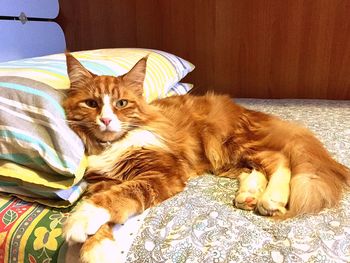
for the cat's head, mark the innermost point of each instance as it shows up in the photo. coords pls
(104, 108)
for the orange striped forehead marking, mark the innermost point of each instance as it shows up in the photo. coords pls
(106, 85)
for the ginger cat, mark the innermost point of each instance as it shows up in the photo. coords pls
(141, 154)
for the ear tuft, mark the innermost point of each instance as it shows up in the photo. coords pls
(76, 70)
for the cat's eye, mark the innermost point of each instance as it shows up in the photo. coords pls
(91, 103)
(121, 103)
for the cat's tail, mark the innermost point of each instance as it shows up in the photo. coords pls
(317, 180)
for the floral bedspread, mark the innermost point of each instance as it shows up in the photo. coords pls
(201, 224)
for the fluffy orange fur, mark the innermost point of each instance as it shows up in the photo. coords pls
(199, 134)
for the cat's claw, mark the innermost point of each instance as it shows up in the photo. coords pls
(85, 220)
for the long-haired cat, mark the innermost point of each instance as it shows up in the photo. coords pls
(141, 154)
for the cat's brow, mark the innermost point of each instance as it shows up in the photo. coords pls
(107, 85)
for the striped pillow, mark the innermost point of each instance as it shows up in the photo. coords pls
(180, 89)
(164, 70)
(34, 134)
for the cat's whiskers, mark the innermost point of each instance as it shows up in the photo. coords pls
(79, 122)
(128, 126)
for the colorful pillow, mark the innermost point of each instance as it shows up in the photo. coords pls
(37, 147)
(40, 156)
(164, 70)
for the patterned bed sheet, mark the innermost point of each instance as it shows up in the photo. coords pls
(201, 224)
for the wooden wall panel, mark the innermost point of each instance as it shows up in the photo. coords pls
(94, 24)
(247, 48)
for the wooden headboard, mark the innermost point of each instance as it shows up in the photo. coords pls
(247, 48)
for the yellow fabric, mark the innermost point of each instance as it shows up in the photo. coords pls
(25, 176)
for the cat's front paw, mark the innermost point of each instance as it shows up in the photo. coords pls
(103, 251)
(85, 220)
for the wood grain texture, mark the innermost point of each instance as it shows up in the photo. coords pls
(252, 48)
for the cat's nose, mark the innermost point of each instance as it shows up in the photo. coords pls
(106, 121)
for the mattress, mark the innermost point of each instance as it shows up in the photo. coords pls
(200, 224)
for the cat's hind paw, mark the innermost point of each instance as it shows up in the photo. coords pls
(269, 207)
(252, 185)
(246, 200)
(274, 200)
(85, 220)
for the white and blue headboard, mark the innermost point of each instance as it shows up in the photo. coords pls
(27, 29)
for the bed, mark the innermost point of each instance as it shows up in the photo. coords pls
(197, 225)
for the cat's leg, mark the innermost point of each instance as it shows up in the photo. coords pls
(79, 224)
(114, 205)
(216, 147)
(84, 220)
(276, 196)
(251, 186)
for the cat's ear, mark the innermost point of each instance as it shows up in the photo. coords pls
(136, 75)
(76, 70)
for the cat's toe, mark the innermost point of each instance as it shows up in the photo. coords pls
(85, 220)
(102, 252)
(246, 200)
(269, 207)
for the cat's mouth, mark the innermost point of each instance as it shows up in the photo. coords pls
(109, 136)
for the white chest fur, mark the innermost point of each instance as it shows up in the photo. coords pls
(105, 161)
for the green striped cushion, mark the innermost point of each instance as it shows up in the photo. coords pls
(34, 134)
